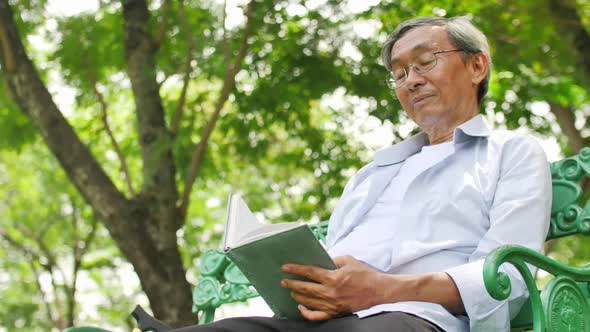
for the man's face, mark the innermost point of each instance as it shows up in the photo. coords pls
(446, 94)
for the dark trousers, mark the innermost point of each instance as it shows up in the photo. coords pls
(384, 322)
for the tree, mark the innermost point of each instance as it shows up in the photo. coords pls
(48, 241)
(144, 221)
(537, 51)
(217, 105)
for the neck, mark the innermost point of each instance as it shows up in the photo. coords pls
(442, 130)
(440, 138)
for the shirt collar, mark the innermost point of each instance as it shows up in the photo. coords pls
(474, 127)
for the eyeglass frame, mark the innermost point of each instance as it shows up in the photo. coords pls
(391, 81)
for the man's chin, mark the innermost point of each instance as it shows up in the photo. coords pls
(427, 118)
(427, 108)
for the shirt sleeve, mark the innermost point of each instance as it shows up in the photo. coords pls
(519, 214)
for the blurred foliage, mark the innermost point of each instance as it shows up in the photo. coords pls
(46, 226)
(277, 142)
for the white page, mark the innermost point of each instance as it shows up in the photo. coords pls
(240, 220)
(265, 231)
(242, 227)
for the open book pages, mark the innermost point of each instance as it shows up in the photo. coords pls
(242, 227)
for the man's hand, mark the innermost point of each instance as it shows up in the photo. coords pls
(352, 286)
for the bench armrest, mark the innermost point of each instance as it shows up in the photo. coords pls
(562, 300)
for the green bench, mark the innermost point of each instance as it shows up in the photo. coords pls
(562, 305)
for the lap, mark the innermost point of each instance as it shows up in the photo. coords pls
(390, 322)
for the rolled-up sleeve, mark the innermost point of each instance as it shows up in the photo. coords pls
(519, 214)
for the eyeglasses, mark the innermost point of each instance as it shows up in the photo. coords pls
(422, 64)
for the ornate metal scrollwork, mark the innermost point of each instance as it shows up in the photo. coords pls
(566, 309)
(213, 262)
(206, 294)
(320, 230)
(567, 216)
(233, 275)
(222, 282)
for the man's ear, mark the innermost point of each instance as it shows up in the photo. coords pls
(479, 66)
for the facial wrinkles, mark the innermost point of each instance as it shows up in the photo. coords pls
(422, 47)
(404, 52)
(437, 116)
(440, 125)
(449, 83)
(416, 87)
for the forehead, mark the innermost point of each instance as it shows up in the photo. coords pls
(420, 39)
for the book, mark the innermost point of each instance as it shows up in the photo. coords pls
(259, 250)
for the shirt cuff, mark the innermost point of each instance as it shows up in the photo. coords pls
(481, 308)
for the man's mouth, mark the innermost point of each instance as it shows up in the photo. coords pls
(420, 99)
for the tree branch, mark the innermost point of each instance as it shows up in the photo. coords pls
(243, 44)
(178, 70)
(28, 91)
(566, 119)
(570, 24)
(17, 245)
(144, 228)
(228, 84)
(164, 26)
(71, 289)
(105, 122)
(90, 237)
(157, 215)
(46, 302)
(187, 69)
(226, 50)
(78, 252)
(8, 53)
(32, 256)
(159, 184)
(52, 260)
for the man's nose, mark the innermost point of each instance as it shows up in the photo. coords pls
(414, 78)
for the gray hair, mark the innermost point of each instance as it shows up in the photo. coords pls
(462, 34)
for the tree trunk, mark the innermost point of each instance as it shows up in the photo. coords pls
(566, 119)
(172, 299)
(571, 26)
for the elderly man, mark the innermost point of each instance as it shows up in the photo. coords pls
(412, 228)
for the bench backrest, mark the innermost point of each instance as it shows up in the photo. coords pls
(569, 176)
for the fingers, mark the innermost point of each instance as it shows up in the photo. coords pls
(314, 315)
(311, 295)
(331, 307)
(312, 303)
(304, 287)
(314, 273)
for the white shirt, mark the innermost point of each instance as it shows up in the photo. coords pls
(371, 238)
(408, 213)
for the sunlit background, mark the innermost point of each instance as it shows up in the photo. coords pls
(364, 121)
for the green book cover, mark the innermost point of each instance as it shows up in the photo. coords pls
(262, 249)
